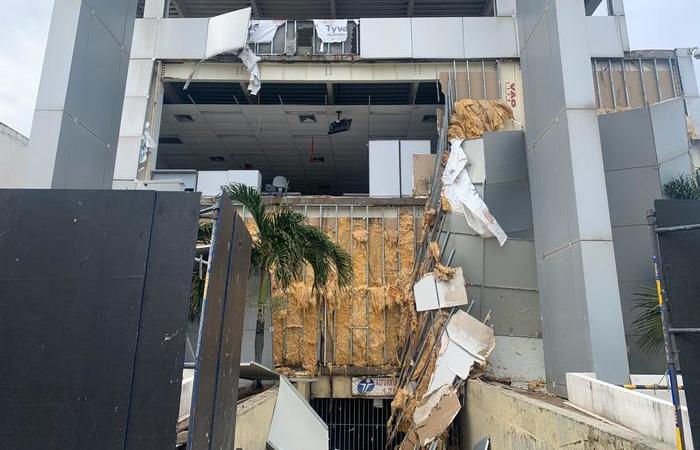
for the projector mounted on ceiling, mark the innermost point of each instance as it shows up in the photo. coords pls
(340, 125)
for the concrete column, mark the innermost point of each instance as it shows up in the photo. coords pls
(76, 122)
(579, 298)
(154, 9)
(142, 104)
(505, 8)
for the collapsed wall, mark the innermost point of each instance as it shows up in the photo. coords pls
(357, 327)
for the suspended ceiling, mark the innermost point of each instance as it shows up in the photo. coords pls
(274, 140)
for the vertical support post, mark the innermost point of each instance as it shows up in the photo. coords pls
(669, 347)
(582, 323)
(76, 120)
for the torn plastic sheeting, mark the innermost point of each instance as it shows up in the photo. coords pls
(250, 61)
(435, 414)
(431, 293)
(464, 198)
(263, 31)
(466, 342)
(333, 30)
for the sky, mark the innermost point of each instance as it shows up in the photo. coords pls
(24, 26)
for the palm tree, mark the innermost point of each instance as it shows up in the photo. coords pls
(284, 246)
(648, 324)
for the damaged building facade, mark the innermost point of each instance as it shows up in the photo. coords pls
(246, 90)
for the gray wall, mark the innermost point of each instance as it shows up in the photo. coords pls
(581, 316)
(502, 281)
(642, 149)
(78, 111)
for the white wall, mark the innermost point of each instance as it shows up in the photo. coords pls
(13, 150)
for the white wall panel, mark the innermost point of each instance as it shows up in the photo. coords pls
(439, 37)
(408, 149)
(384, 178)
(227, 32)
(386, 38)
(604, 37)
(490, 37)
(182, 38)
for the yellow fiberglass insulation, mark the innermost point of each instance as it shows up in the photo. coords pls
(471, 118)
(365, 324)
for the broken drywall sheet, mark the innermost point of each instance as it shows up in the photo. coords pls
(466, 342)
(435, 414)
(464, 198)
(295, 425)
(431, 293)
(263, 31)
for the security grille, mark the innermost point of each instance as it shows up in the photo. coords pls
(355, 423)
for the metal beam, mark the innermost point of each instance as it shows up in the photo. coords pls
(414, 93)
(256, 8)
(333, 9)
(411, 7)
(489, 8)
(330, 96)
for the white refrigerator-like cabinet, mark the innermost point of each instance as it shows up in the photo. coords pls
(391, 167)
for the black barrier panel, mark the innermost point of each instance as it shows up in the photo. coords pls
(84, 321)
(680, 254)
(217, 367)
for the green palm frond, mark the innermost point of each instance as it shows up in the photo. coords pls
(682, 188)
(648, 324)
(286, 244)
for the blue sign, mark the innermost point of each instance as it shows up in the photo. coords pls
(365, 386)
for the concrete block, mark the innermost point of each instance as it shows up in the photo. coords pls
(647, 415)
(517, 358)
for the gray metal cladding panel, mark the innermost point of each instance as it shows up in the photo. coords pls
(633, 253)
(510, 204)
(505, 157)
(567, 344)
(627, 139)
(469, 255)
(631, 192)
(670, 129)
(512, 265)
(73, 277)
(114, 15)
(680, 251)
(514, 312)
(163, 326)
(213, 415)
(231, 338)
(94, 74)
(207, 355)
